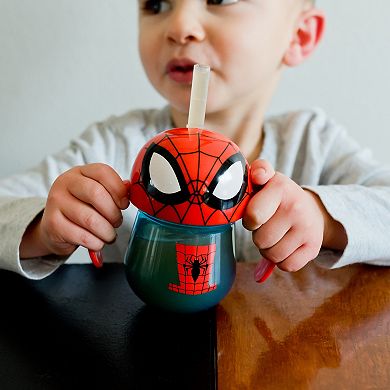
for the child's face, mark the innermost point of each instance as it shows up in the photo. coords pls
(243, 41)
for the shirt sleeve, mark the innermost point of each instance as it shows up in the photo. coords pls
(23, 197)
(355, 190)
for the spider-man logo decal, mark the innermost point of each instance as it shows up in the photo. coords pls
(195, 267)
(191, 176)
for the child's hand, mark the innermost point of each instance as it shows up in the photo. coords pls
(83, 208)
(287, 222)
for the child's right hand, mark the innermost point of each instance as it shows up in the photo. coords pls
(83, 208)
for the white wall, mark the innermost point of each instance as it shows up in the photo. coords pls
(67, 63)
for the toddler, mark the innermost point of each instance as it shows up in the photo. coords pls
(323, 196)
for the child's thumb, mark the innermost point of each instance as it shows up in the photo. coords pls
(127, 183)
(261, 171)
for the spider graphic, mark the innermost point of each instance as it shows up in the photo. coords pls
(195, 267)
(196, 264)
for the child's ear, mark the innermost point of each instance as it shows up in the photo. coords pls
(308, 33)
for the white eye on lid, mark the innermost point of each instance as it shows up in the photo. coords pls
(162, 175)
(230, 182)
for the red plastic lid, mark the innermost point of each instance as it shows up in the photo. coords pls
(191, 177)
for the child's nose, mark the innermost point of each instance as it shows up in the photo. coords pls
(185, 23)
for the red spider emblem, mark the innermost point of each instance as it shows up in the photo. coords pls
(195, 266)
(192, 177)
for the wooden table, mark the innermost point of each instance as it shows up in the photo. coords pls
(315, 329)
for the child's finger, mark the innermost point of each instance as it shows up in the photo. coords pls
(299, 258)
(107, 177)
(269, 234)
(283, 248)
(62, 236)
(262, 207)
(261, 172)
(127, 184)
(78, 236)
(91, 192)
(89, 219)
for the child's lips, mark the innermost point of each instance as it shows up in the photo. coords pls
(180, 70)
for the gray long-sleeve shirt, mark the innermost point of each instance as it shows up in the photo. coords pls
(306, 146)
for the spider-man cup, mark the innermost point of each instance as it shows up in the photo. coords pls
(190, 186)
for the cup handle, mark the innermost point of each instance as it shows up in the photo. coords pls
(96, 258)
(263, 270)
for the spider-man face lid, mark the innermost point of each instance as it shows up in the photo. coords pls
(191, 177)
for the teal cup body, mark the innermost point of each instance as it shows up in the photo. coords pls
(180, 268)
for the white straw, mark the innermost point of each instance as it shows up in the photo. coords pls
(200, 84)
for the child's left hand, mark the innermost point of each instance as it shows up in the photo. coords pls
(288, 223)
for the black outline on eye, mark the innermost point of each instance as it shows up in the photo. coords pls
(169, 199)
(223, 204)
